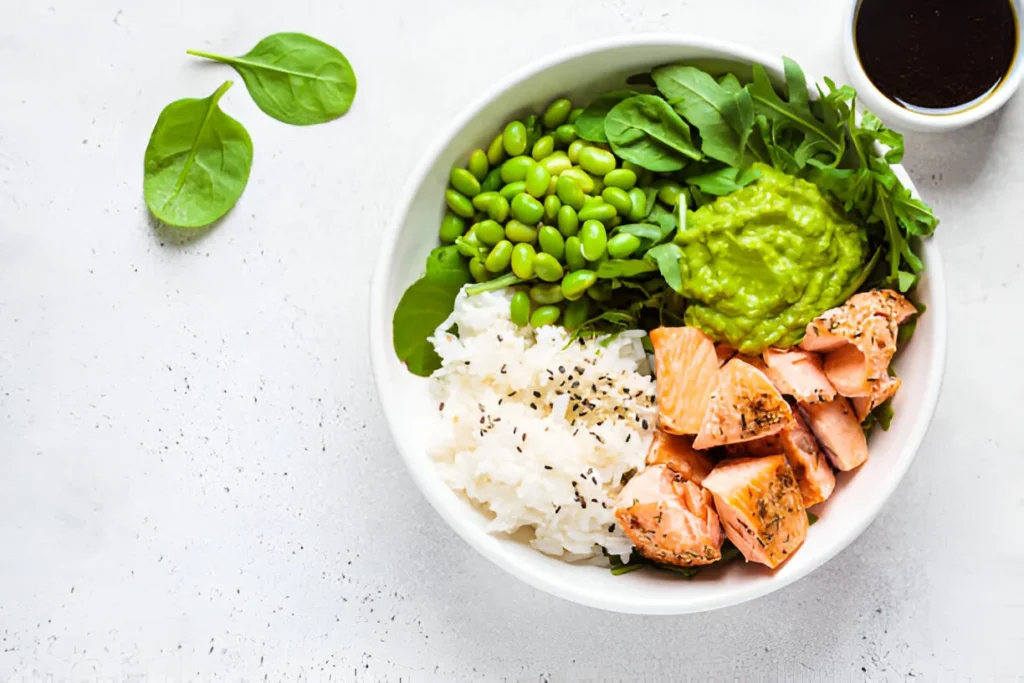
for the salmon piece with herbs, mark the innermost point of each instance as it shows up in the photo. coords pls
(669, 519)
(687, 371)
(799, 374)
(837, 428)
(760, 506)
(725, 353)
(881, 392)
(744, 406)
(677, 453)
(813, 474)
(859, 339)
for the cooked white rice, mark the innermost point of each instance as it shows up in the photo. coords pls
(538, 434)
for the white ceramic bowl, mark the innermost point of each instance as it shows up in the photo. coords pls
(580, 73)
(902, 119)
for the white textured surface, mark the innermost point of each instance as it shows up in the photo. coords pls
(195, 481)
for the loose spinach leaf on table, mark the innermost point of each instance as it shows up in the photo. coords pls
(197, 162)
(295, 78)
(724, 117)
(590, 124)
(647, 132)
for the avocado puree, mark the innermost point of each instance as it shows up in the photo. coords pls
(762, 262)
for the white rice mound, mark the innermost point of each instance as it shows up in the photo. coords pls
(539, 434)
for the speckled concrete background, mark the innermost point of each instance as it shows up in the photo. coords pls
(195, 480)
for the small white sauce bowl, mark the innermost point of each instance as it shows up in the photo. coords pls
(903, 119)
(581, 73)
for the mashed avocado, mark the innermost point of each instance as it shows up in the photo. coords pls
(762, 262)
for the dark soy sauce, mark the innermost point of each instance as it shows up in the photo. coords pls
(936, 56)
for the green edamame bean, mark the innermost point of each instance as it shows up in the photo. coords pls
(638, 204)
(468, 245)
(547, 267)
(492, 182)
(483, 201)
(551, 241)
(552, 205)
(581, 177)
(543, 147)
(574, 150)
(574, 257)
(556, 162)
(568, 221)
(622, 178)
(669, 193)
(576, 314)
(598, 212)
(565, 135)
(623, 245)
(598, 185)
(514, 138)
(545, 315)
(478, 164)
(512, 189)
(496, 150)
(593, 239)
(499, 209)
(576, 283)
(452, 227)
(557, 113)
(537, 180)
(553, 185)
(459, 203)
(515, 168)
(490, 232)
(518, 232)
(596, 160)
(575, 114)
(478, 270)
(522, 260)
(500, 256)
(546, 293)
(527, 209)
(570, 192)
(602, 291)
(520, 308)
(618, 198)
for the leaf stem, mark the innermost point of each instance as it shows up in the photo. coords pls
(493, 285)
(207, 55)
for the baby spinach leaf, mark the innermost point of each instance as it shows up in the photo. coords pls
(446, 265)
(663, 218)
(646, 131)
(667, 257)
(724, 118)
(644, 231)
(423, 307)
(590, 124)
(197, 162)
(624, 268)
(295, 78)
(724, 181)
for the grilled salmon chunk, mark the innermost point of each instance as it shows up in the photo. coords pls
(760, 506)
(670, 520)
(687, 371)
(744, 406)
(881, 392)
(678, 454)
(838, 429)
(799, 374)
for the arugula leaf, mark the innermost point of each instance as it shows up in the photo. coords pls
(724, 118)
(724, 181)
(423, 307)
(590, 124)
(667, 257)
(197, 162)
(294, 78)
(647, 132)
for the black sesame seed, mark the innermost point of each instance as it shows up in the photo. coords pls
(611, 528)
(441, 406)
(504, 369)
(524, 436)
(561, 369)
(536, 394)
(548, 467)
(519, 449)
(643, 423)
(534, 406)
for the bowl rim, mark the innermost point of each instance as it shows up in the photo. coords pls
(425, 476)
